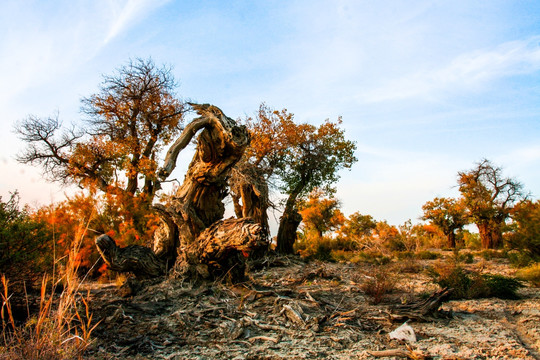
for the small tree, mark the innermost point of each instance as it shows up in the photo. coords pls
(294, 158)
(489, 197)
(448, 215)
(321, 214)
(312, 162)
(357, 228)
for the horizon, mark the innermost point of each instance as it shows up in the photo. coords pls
(424, 89)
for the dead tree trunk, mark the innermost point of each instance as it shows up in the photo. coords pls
(137, 259)
(249, 191)
(198, 204)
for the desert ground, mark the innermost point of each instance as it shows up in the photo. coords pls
(289, 308)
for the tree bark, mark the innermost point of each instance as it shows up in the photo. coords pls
(451, 239)
(490, 234)
(221, 250)
(289, 222)
(137, 259)
(198, 203)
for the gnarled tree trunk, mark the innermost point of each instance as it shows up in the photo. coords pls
(249, 192)
(191, 238)
(490, 234)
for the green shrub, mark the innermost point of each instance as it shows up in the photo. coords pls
(342, 255)
(520, 259)
(472, 284)
(490, 254)
(466, 258)
(427, 255)
(25, 244)
(371, 257)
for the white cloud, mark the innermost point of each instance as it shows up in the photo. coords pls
(466, 71)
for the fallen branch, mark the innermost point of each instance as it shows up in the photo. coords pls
(409, 353)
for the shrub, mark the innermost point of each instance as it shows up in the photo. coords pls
(381, 282)
(472, 284)
(520, 259)
(25, 244)
(371, 257)
(342, 255)
(530, 273)
(427, 255)
(490, 254)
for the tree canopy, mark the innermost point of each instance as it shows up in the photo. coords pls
(128, 121)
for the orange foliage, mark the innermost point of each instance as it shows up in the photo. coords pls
(321, 214)
(85, 216)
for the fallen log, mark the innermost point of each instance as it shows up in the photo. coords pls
(424, 310)
(139, 260)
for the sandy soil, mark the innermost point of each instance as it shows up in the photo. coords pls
(297, 310)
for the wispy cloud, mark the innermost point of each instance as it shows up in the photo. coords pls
(126, 13)
(467, 71)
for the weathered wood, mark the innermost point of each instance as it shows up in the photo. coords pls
(422, 310)
(249, 187)
(222, 250)
(198, 203)
(139, 260)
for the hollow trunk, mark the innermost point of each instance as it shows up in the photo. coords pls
(249, 191)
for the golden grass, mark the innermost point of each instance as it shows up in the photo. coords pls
(63, 326)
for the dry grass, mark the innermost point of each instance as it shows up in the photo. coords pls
(530, 273)
(60, 330)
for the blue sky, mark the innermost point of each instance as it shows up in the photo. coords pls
(425, 88)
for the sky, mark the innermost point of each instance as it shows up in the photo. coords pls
(425, 88)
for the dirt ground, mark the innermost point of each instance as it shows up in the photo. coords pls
(291, 309)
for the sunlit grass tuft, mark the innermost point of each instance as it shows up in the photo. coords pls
(63, 326)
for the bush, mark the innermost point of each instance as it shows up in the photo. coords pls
(490, 254)
(520, 259)
(24, 243)
(530, 273)
(371, 257)
(472, 284)
(382, 282)
(342, 255)
(427, 255)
